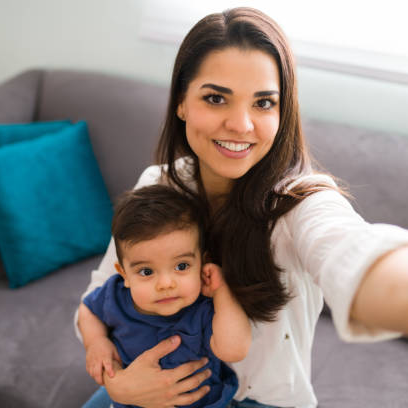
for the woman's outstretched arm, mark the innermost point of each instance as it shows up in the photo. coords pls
(146, 384)
(381, 301)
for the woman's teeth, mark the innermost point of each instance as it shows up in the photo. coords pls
(234, 147)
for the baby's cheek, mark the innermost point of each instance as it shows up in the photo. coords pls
(195, 286)
(140, 297)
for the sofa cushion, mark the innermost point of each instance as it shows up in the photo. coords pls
(54, 208)
(25, 131)
(19, 132)
(358, 375)
(43, 363)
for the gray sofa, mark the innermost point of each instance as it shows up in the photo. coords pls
(42, 362)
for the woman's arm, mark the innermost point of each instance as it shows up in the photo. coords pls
(381, 301)
(339, 249)
(231, 337)
(144, 383)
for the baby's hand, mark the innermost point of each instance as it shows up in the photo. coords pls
(212, 279)
(99, 356)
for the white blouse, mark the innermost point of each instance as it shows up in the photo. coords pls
(324, 247)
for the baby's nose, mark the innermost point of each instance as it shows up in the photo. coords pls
(165, 281)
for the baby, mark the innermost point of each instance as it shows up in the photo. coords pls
(162, 289)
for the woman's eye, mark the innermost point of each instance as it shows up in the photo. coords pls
(214, 99)
(265, 104)
(182, 266)
(145, 272)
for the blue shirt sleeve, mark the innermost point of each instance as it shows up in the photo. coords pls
(95, 301)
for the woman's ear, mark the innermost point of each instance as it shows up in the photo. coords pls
(122, 273)
(180, 111)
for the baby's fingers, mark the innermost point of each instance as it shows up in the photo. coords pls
(205, 279)
(96, 373)
(107, 365)
(116, 356)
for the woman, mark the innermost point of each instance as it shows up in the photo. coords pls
(283, 234)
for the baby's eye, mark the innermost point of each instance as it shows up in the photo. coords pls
(182, 266)
(265, 104)
(214, 99)
(146, 272)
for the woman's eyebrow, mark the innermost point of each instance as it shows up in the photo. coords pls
(218, 88)
(265, 93)
(228, 91)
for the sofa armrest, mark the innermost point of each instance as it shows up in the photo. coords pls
(19, 96)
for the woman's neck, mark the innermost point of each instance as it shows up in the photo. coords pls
(216, 188)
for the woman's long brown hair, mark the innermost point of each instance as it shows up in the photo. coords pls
(239, 233)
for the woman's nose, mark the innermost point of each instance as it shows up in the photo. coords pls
(239, 121)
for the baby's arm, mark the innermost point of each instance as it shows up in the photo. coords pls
(100, 351)
(231, 337)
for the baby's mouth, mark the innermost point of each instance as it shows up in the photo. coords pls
(167, 300)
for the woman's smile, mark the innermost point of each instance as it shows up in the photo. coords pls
(233, 150)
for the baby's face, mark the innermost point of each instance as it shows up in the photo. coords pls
(163, 273)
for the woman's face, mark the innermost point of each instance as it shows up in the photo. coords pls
(231, 111)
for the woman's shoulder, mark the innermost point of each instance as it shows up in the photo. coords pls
(155, 174)
(312, 179)
(323, 208)
(150, 175)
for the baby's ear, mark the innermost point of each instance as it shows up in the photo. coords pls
(122, 273)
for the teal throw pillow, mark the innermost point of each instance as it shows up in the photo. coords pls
(54, 207)
(24, 131)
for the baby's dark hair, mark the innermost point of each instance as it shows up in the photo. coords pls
(145, 213)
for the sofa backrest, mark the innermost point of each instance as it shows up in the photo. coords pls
(124, 118)
(125, 115)
(374, 166)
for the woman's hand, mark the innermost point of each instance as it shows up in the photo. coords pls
(211, 278)
(100, 355)
(146, 384)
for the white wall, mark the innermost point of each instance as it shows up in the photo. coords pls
(104, 35)
(88, 34)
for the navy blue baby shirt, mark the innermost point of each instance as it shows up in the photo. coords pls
(134, 333)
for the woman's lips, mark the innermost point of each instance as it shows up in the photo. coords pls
(233, 150)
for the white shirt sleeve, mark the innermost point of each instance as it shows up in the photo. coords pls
(336, 246)
(106, 268)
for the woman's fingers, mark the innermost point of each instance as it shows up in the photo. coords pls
(185, 370)
(179, 393)
(191, 383)
(165, 347)
(145, 383)
(191, 397)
